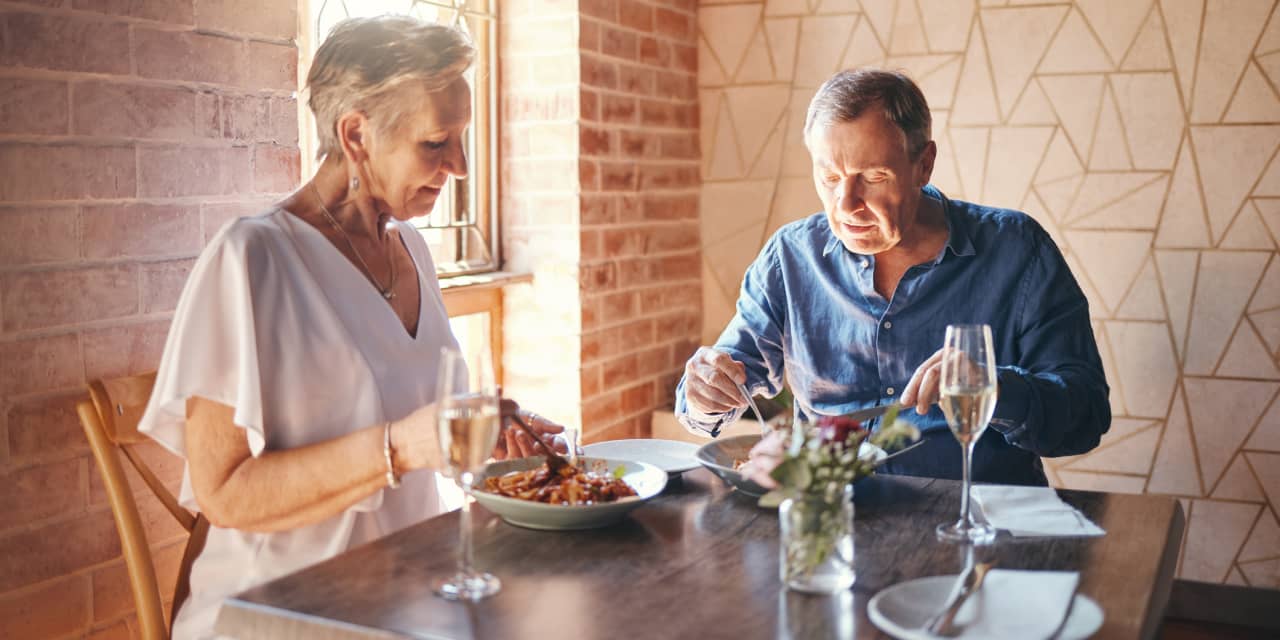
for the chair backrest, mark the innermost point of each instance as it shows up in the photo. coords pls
(110, 421)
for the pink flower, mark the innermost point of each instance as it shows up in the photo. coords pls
(837, 428)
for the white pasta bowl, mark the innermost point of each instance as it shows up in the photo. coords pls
(647, 480)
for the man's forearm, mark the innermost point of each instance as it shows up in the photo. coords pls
(1057, 413)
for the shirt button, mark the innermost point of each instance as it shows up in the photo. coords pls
(888, 325)
(864, 263)
(888, 391)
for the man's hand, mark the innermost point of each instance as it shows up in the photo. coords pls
(764, 457)
(711, 380)
(923, 389)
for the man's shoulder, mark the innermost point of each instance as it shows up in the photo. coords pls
(987, 225)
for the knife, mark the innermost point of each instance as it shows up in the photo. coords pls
(863, 415)
(899, 452)
(943, 624)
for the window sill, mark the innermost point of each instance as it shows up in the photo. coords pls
(478, 293)
(480, 281)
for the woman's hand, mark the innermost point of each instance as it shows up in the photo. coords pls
(513, 442)
(415, 442)
(764, 457)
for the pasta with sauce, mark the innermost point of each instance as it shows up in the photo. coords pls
(568, 485)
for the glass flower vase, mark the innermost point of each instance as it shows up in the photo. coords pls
(816, 543)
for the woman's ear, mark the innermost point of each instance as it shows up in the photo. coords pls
(353, 131)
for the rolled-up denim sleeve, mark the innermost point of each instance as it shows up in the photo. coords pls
(753, 337)
(1054, 400)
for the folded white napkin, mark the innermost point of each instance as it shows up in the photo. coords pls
(1018, 604)
(1032, 511)
(1011, 604)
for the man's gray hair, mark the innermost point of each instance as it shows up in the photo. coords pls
(848, 94)
(365, 61)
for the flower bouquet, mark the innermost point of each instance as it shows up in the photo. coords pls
(821, 461)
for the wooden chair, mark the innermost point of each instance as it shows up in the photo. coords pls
(110, 420)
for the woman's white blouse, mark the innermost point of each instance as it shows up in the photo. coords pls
(275, 322)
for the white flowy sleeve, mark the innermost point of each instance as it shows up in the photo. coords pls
(212, 347)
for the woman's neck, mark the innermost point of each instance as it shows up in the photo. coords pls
(329, 192)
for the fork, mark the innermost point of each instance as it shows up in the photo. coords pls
(555, 461)
(943, 624)
(764, 428)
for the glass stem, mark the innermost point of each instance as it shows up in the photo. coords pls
(466, 553)
(966, 520)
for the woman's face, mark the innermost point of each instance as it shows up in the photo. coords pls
(410, 163)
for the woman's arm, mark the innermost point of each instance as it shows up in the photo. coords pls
(291, 488)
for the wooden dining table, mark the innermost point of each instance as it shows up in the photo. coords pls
(698, 561)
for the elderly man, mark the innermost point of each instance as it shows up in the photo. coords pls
(849, 306)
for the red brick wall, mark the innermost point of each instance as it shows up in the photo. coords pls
(641, 288)
(130, 131)
(600, 201)
(538, 60)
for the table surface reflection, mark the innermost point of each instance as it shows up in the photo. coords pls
(698, 561)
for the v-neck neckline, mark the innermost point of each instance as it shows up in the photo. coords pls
(367, 286)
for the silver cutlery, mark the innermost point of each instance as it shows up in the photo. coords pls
(764, 428)
(943, 624)
(899, 452)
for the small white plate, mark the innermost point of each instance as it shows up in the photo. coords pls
(671, 456)
(903, 609)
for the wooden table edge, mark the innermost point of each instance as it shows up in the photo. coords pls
(1159, 600)
(244, 620)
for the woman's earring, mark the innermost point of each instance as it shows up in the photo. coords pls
(355, 183)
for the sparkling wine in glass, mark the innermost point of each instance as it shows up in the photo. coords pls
(467, 427)
(968, 390)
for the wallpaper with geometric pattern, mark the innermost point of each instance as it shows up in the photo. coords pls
(1141, 133)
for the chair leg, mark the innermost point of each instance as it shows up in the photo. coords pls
(195, 544)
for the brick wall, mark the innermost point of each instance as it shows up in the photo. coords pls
(641, 287)
(538, 54)
(600, 199)
(130, 131)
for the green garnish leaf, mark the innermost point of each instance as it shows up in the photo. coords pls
(772, 499)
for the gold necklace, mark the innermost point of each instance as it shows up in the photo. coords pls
(389, 291)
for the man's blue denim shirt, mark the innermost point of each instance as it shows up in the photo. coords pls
(808, 313)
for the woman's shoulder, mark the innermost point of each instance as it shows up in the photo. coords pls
(264, 226)
(258, 235)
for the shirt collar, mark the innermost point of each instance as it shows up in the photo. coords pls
(959, 240)
(832, 242)
(959, 235)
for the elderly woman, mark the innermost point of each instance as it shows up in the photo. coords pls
(299, 375)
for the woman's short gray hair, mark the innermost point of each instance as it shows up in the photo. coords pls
(364, 61)
(849, 93)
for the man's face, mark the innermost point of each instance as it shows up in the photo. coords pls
(868, 182)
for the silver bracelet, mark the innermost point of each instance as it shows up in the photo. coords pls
(392, 481)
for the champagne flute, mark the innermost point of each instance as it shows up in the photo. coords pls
(968, 390)
(468, 426)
